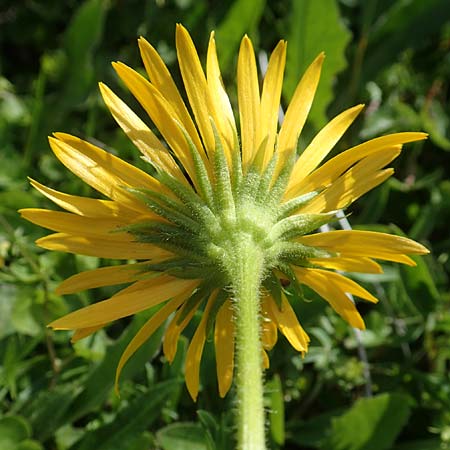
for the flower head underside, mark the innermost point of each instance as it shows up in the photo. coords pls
(214, 186)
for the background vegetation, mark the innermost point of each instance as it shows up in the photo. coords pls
(392, 55)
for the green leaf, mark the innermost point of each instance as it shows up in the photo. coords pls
(22, 315)
(315, 26)
(81, 38)
(310, 433)
(419, 286)
(242, 17)
(14, 434)
(101, 379)
(7, 295)
(276, 409)
(410, 22)
(29, 445)
(46, 411)
(183, 436)
(371, 424)
(423, 444)
(130, 422)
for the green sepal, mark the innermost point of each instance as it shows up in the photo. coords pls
(286, 269)
(280, 184)
(193, 302)
(236, 170)
(167, 208)
(266, 180)
(223, 194)
(218, 302)
(299, 225)
(288, 208)
(272, 284)
(183, 268)
(203, 181)
(192, 200)
(298, 254)
(250, 184)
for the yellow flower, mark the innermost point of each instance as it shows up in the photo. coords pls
(207, 191)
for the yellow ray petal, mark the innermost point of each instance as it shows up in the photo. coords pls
(103, 171)
(223, 113)
(333, 287)
(249, 101)
(298, 109)
(323, 143)
(82, 333)
(83, 206)
(265, 359)
(354, 183)
(224, 345)
(344, 284)
(196, 86)
(195, 350)
(102, 248)
(348, 264)
(141, 136)
(333, 168)
(288, 324)
(145, 333)
(105, 276)
(147, 293)
(160, 77)
(78, 225)
(162, 114)
(270, 99)
(366, 243)
(269, 333)
(174, 329)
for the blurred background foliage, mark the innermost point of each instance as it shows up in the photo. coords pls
(393, 56)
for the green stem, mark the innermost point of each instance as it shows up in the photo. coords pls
(246, 282)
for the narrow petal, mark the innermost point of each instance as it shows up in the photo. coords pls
(196, 86)
(348, 264)
(354, 183)
(163, 116)
(74, 224)
(103, 171)
(85, 332)
(333, 288)
(147, 293)
(195, 350)
(160, 77)
(323, 143)
(174, 329)
(269, 334)
(265, 359)
(224, 345)
(141, 136)
(333, 168)
(83, 206)
(146, 332)
(367, 244)
(102, 248)
(270, 99)
(224, 116)
(288, 324)
(105, 276)
(298, 109)
(249, 101)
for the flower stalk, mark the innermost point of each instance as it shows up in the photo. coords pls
(246, 284)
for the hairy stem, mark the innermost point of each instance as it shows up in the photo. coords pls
(246, 282)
